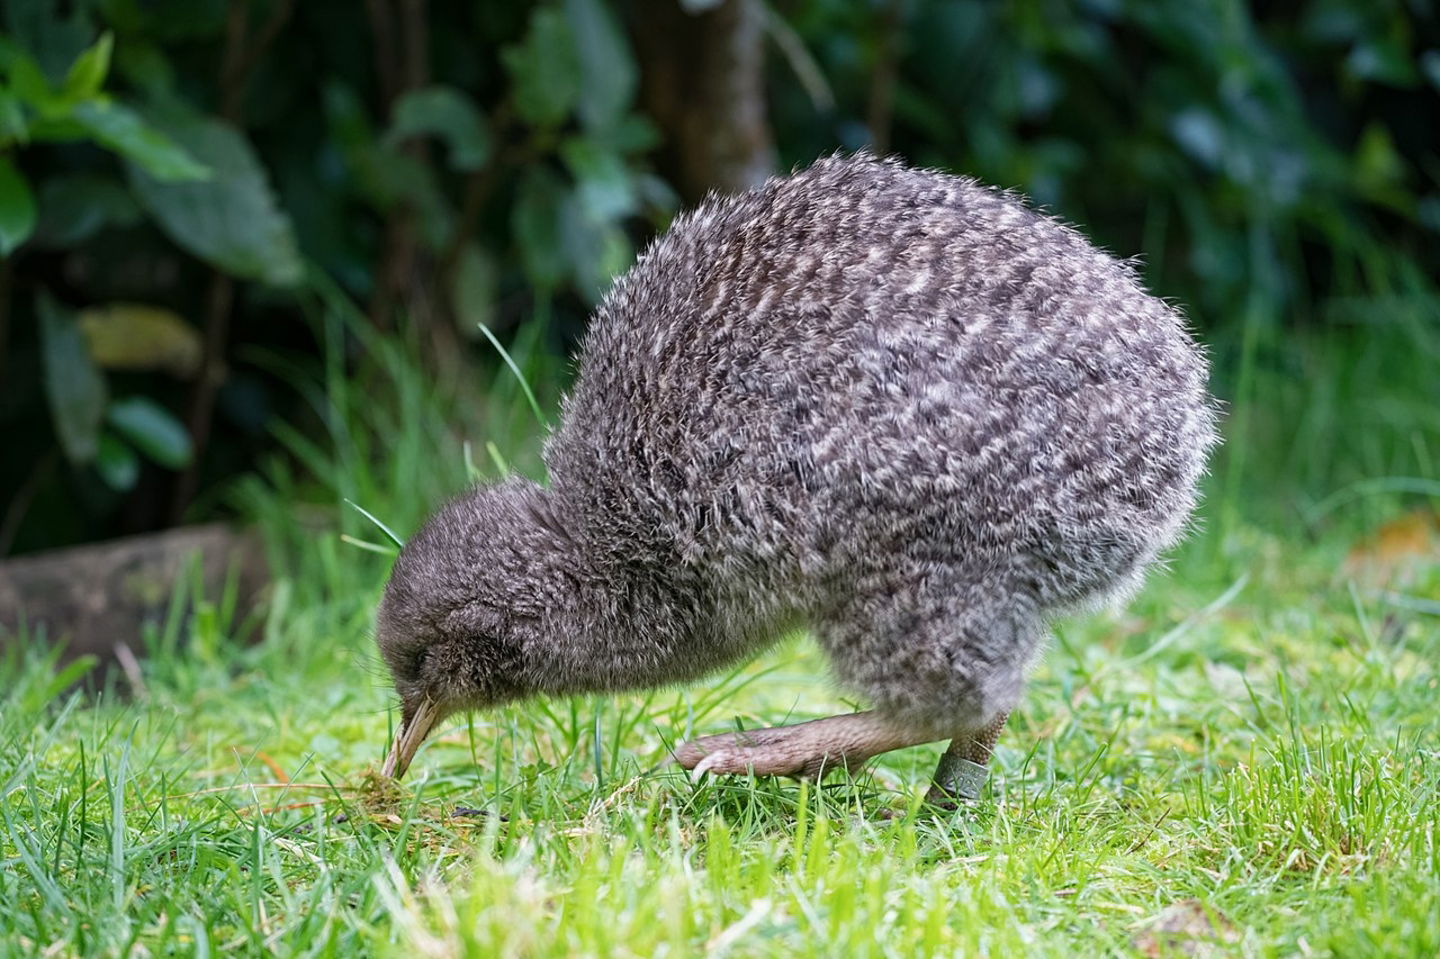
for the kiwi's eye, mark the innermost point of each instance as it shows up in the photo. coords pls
(417, 660)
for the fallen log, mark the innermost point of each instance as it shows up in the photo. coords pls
(100, 598)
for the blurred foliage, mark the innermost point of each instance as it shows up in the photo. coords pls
(1285, 153)
(264, 142)
(186, 186)
(36, 109)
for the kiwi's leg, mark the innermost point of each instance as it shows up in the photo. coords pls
(805, 749)
(964, 766)
(947, 655)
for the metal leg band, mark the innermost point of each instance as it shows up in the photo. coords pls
(960, 778)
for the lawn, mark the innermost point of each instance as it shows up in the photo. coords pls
(1244, 762)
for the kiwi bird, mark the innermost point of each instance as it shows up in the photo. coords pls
(892, 406)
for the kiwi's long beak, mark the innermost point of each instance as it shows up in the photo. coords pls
(412, 733)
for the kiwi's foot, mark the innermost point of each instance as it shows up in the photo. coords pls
(805, 750)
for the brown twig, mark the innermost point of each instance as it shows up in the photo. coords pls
(275, 768)
(20, 503)
(402, 54)
(237, 25)
(231, 788)
(1146, 838)
(272, 810)
(415, 42)
(382, 32)
(479, 186)
(241, 55)
(7, 273)
(219, 302)
(264, 37)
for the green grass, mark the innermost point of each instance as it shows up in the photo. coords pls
(1252, 748)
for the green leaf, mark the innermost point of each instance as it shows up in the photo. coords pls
(346, 119)
(1430, 66)
(232, 220)
(385, 177)
(537, 223)
(74, 208)
(602, 180)
(632, 133)
(1379, 170)
(55, 34)
(1377, 162)
(597, 250)
(29, 81)
(17, 208)
(607, 67)
(73, 384)
(88, 72)
(137, 337)
(1383, 60)
(119, 128)
(545, 69)
(447, 114)
(153, 430)
(13, 126)
(1201, 135)
(117, 463)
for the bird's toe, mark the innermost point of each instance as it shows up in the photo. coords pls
(781, 751)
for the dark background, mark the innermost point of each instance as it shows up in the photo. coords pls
(195, 195)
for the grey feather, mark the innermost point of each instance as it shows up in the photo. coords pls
(892, 405)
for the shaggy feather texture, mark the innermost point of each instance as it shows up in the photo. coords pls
(893, 405)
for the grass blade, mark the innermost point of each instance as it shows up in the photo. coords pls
(519, 376)
(389, 533)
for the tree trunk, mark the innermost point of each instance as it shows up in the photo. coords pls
(703, 81)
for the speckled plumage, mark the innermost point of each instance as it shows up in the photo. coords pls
(892, 405)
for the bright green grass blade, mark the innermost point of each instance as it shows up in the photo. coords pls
(368, 546)
(399, 543)
(519, 376)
